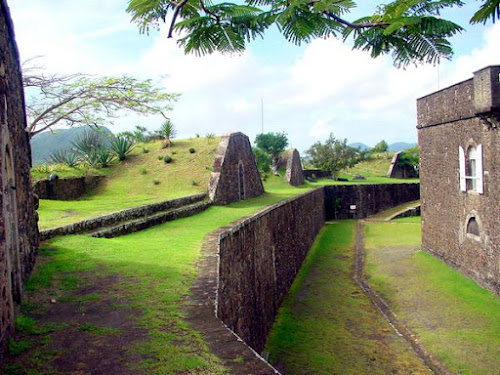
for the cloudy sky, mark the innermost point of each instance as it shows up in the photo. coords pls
(307, 91)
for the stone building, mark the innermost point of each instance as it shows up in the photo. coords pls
(18, 222)
(458, 134)
(235, 175)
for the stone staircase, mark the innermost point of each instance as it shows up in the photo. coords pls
(133, 219)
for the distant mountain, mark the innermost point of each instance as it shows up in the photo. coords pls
(400, 146)
(360, 145)
(48, 142)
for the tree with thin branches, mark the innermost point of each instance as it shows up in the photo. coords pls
(79, 99)
(413, 31)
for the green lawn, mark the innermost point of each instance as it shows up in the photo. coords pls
(327, 325)
(156, 268)
(453, 317)
(142, 179)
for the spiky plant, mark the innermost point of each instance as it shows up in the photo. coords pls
(167, 132)
(122, 147)
(104, 157)
(65, 156)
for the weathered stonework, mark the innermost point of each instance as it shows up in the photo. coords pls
(235, 175)
(294, 175)
(462, 115)
(18, 220)
(66, 189)
(360, 201)
(127, 216)
(398, 171)
(259, 259)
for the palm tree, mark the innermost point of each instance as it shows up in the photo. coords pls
(167, 132)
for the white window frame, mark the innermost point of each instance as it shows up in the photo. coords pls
(477, 155)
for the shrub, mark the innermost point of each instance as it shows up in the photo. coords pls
(174, 152)
(143, 170)
(194, 183)
(122, 146)
(145, 150)
(197, 135)
(192, 150)
(160, 157)
(167, 159)
(262, 159)
(104, 157)
(156, 181)
(210, 137)
(66, 156)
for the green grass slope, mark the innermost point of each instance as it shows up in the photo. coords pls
(454, 318)
(141, 179)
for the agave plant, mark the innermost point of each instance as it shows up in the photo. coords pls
(88, 141)
(104, 157)
(121, 146)
(66, 156)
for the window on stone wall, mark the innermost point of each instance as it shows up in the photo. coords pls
(473, 227)
(471, 169)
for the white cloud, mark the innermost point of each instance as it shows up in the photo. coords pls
(323, 88)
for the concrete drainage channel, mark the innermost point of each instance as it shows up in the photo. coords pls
(133, 219)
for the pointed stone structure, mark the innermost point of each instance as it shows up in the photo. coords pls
(235, 175)
(294, 173)
(18, 220)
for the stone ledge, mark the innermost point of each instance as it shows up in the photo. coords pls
(119, 216)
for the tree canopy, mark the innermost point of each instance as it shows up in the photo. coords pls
(272, 143)
(79, 99)
(334, 155)
(411, 30)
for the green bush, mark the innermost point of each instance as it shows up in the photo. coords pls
(160, 157)
(145, 150)
(122, 146)
(192, 150)
(104, 157)
(143, 170)
(156, 181)
(65, 156)
(167, 159)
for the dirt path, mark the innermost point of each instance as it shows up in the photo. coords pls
(91, 330)
(401, 329)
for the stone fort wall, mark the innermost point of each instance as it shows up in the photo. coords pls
(360, 201)
(18, 220)
(448, 119)
(259, 259)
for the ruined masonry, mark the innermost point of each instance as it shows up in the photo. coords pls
(458, 134)
(235, 175)
(294, 174)
(18, 221)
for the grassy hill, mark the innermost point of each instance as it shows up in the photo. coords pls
(143, 178)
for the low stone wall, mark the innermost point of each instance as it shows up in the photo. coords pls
(66, 189)
(360, 201)
(119, 216)
(316, 173)
(149, 221)
(259, 259)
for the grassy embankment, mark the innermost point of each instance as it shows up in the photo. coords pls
(141, 179)
(145, 274)
(453, 317)
(374, 170)
(326, 325)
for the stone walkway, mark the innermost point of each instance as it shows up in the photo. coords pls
(202, 306)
